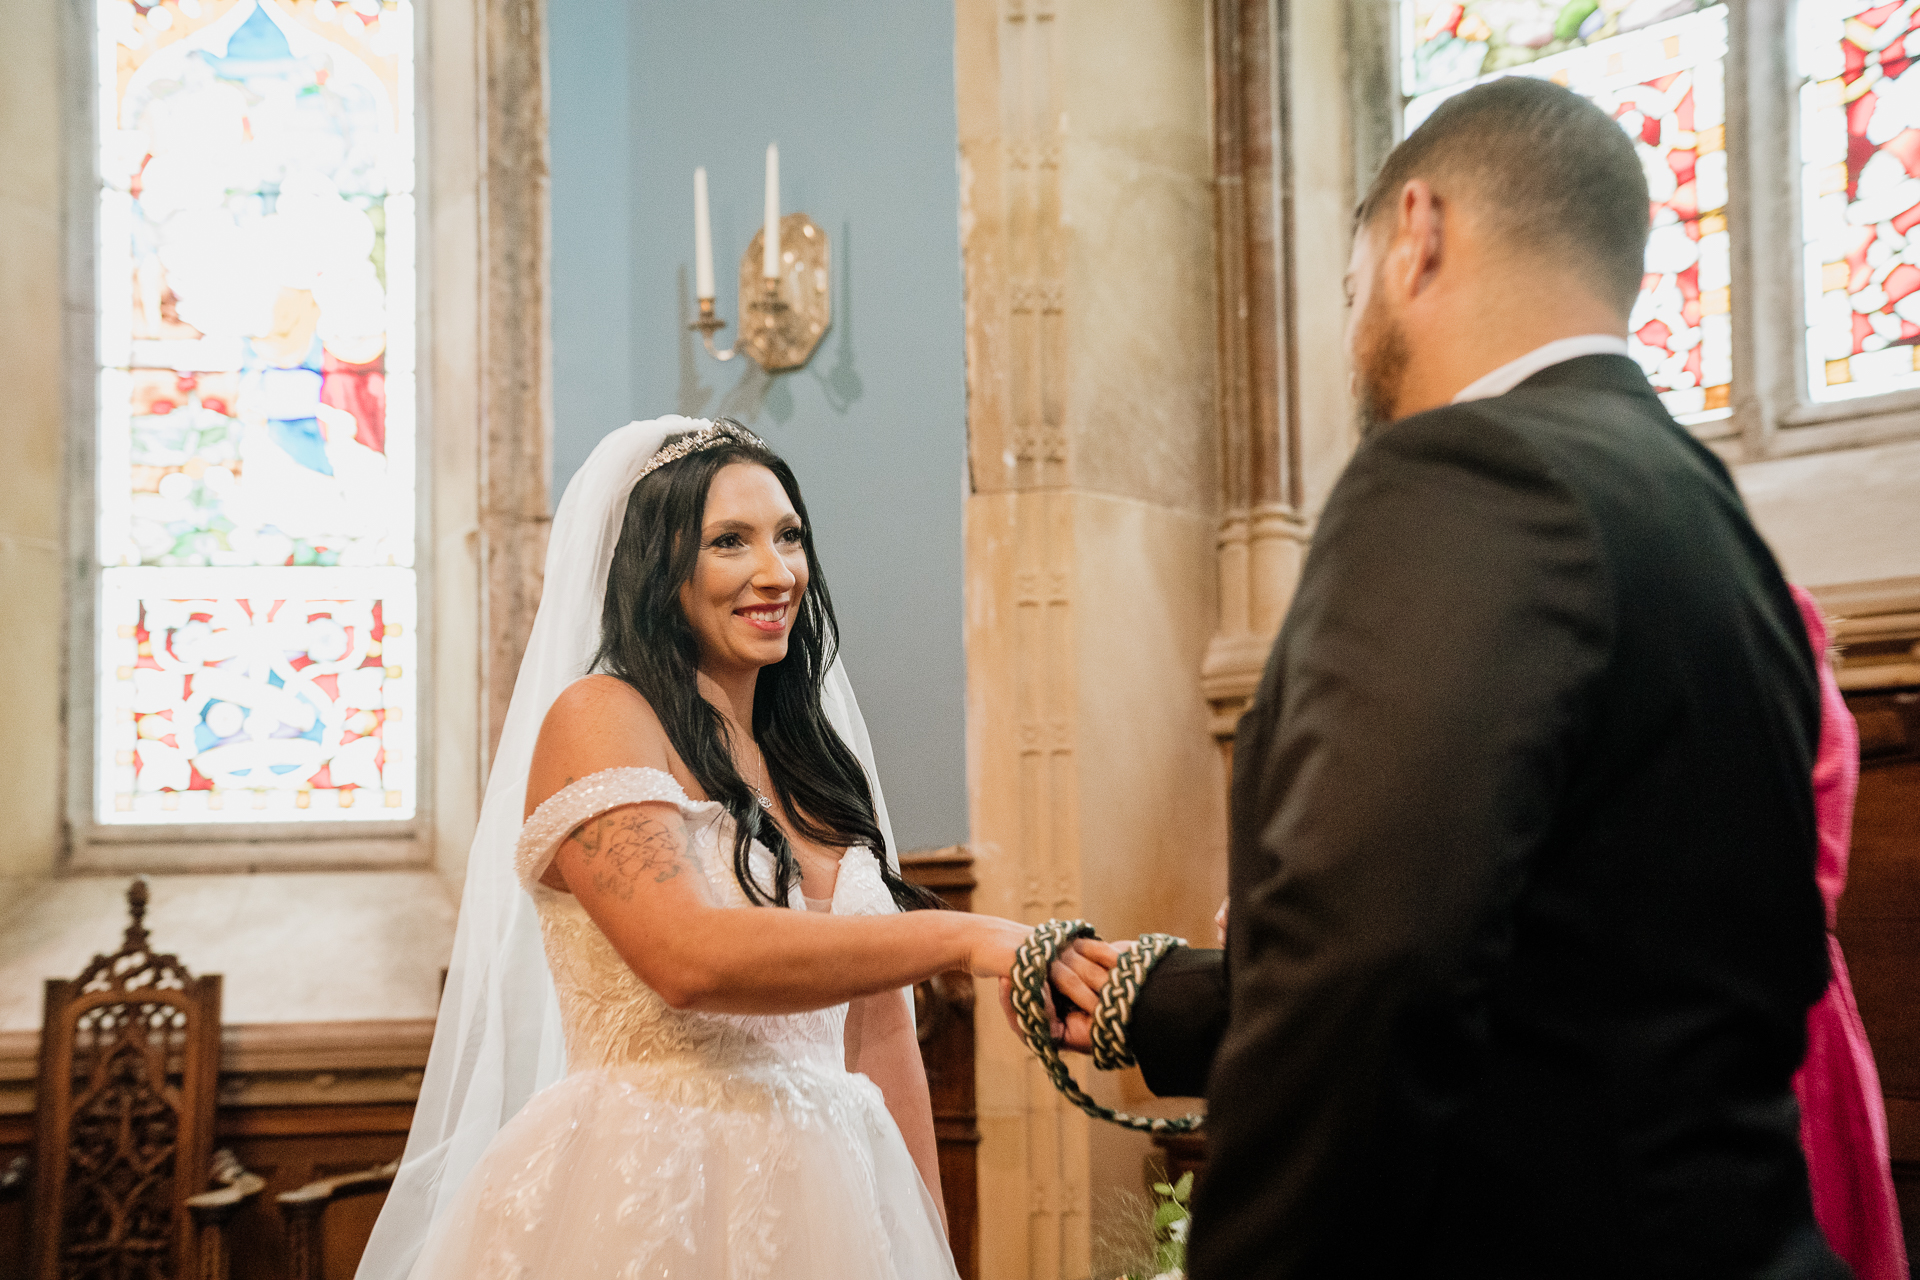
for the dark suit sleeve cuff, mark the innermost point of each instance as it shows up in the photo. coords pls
(1178, 1020)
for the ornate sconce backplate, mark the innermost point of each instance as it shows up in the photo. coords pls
(781, 324)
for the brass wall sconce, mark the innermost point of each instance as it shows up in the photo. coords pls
(785, 303)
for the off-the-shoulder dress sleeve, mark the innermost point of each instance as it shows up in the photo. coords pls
(594, 794)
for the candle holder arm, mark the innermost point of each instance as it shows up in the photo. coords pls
(708, 324)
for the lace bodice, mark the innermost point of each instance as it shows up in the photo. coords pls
(611, 1018)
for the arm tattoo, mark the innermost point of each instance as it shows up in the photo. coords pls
(634, 844)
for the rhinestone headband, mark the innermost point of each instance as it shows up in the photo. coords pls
(721, 431)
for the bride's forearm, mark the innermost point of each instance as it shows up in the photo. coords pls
(632, 869)
(746, 960)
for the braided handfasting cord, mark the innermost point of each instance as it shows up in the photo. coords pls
(1032, 963)
(1110, 1052)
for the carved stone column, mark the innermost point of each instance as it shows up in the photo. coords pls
(1263, 533)
(485, 397)
(1087, 245)
(1034, 1147)
(515, 355)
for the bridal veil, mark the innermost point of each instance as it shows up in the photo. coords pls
(498, 1038)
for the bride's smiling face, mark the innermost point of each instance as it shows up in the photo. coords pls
(751, 572)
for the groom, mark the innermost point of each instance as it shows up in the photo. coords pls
(1524, 928)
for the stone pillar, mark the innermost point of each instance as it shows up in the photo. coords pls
(516, 363)
(32, 512)
(1284, 191)
(1087, 239)
(487, 392)
(1262, 536)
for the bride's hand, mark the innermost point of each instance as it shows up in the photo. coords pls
(1076, 1031)
(991, 942)
(1079, 971)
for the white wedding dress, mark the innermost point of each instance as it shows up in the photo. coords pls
(679, 1145)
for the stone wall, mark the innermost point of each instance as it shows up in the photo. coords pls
(1086, 220)
(1155, 217)
(874, 425)
(31, 510)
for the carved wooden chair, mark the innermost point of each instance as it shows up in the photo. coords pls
(123, 1153)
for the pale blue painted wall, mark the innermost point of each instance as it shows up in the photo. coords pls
(860, 96)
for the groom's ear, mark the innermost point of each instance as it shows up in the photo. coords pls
(1416, 241)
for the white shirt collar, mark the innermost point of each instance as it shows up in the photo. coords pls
(1514, 372)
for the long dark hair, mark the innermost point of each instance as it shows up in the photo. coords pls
(646, 640)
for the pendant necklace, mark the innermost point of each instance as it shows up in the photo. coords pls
(760, 795)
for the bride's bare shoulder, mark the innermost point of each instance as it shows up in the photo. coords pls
(598, 722)
(600, 698)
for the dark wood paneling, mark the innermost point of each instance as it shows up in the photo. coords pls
(292, 1146)
(289, 1147)
(944, 1011)
(16, 1139)
(1879, 926)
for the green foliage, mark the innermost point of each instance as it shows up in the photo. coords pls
(1170, 1220)
(1144, 1241)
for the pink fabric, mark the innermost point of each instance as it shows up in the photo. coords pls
(1843, 1119)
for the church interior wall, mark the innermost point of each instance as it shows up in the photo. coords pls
(1323, 195)
(31, 485)
(1837, 518)
(1152, 788)
(860, 98)
(1016, 487)
(451, 403)
(1138, 415)
(1097, 791)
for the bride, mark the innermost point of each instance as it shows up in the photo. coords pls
(706, 1087)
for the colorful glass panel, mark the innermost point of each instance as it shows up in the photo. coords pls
(1860, 187)
(1449, 43)
(288, 699)
(1665, 85)
(256, 300)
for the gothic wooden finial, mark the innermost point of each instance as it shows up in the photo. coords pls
(135, 964)
(137, 895)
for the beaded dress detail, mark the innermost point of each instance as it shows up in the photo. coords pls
(683, 1145)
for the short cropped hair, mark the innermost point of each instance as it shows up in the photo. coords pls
(1543, 167)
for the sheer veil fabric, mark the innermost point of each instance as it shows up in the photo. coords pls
(498, 1039)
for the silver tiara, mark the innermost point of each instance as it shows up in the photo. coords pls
(719, 432)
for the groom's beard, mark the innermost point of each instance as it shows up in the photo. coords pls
(1381, 359)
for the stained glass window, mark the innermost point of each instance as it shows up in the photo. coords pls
(1658, 69)
(229, 700)
(1448, 43)
(1860, 147)
(255, 443)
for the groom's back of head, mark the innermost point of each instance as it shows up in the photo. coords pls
(1543, 169)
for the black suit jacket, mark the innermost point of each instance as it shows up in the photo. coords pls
(1524, 925)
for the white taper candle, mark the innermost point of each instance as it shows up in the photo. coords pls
(770, 262)
(702, 238)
